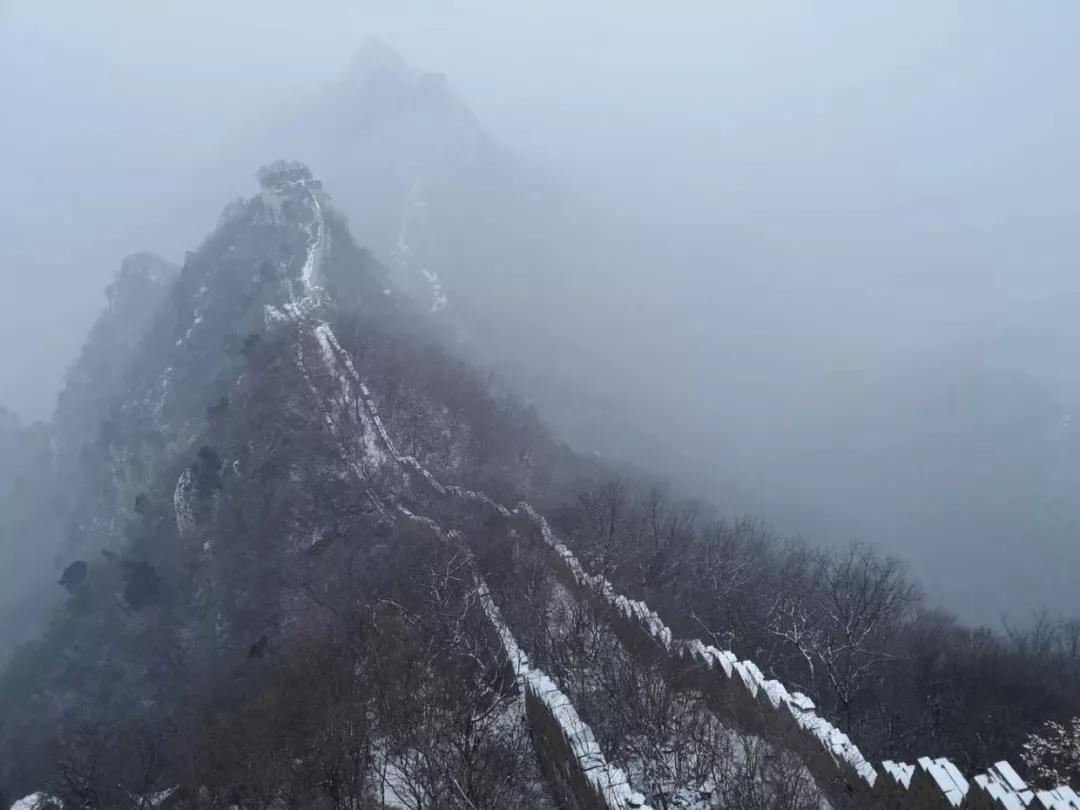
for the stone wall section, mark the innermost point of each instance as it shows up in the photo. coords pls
(570, 755)
(736, 691)
(740, 695)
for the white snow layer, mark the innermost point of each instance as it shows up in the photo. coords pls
(606, 780)
(36, 801)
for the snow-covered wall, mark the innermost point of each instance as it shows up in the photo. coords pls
(575, 765)
(736, 691)
(568, 750)
(740, 695)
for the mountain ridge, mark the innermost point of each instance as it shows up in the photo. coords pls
(292, 468)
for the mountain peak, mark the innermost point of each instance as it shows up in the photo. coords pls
(377, 57)
(380, 80)
(284, 175)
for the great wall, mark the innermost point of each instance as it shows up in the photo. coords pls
(736, 691)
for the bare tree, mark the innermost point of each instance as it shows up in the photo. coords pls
(837, 611)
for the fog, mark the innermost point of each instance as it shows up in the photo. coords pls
(817, 260)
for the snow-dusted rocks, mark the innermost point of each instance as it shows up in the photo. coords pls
(184, 503)
(37, 801)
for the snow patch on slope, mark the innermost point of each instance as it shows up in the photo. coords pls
(184, 503)
(343, 379)
(36, 801)
(403, 249)
(439, 300)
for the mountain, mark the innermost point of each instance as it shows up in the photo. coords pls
(284, 543)
(235, 464)
(737, 354)
(504, 252)
(28, 528)
(133, 299)
(309, 558)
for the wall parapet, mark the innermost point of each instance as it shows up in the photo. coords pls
(738, 693)
(569, 751)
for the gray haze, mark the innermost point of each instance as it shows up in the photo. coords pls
(836, 240)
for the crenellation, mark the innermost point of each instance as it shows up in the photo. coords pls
(725, 659)
(1001, 788)
(934, 784)
(774, 692)
(1062, 798)
(891, 787)
(744, 696)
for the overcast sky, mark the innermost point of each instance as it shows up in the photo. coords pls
(923, 136)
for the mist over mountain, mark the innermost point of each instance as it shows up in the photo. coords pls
(521, 380)
(287, 467)
(799, 398)
(765, 368)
